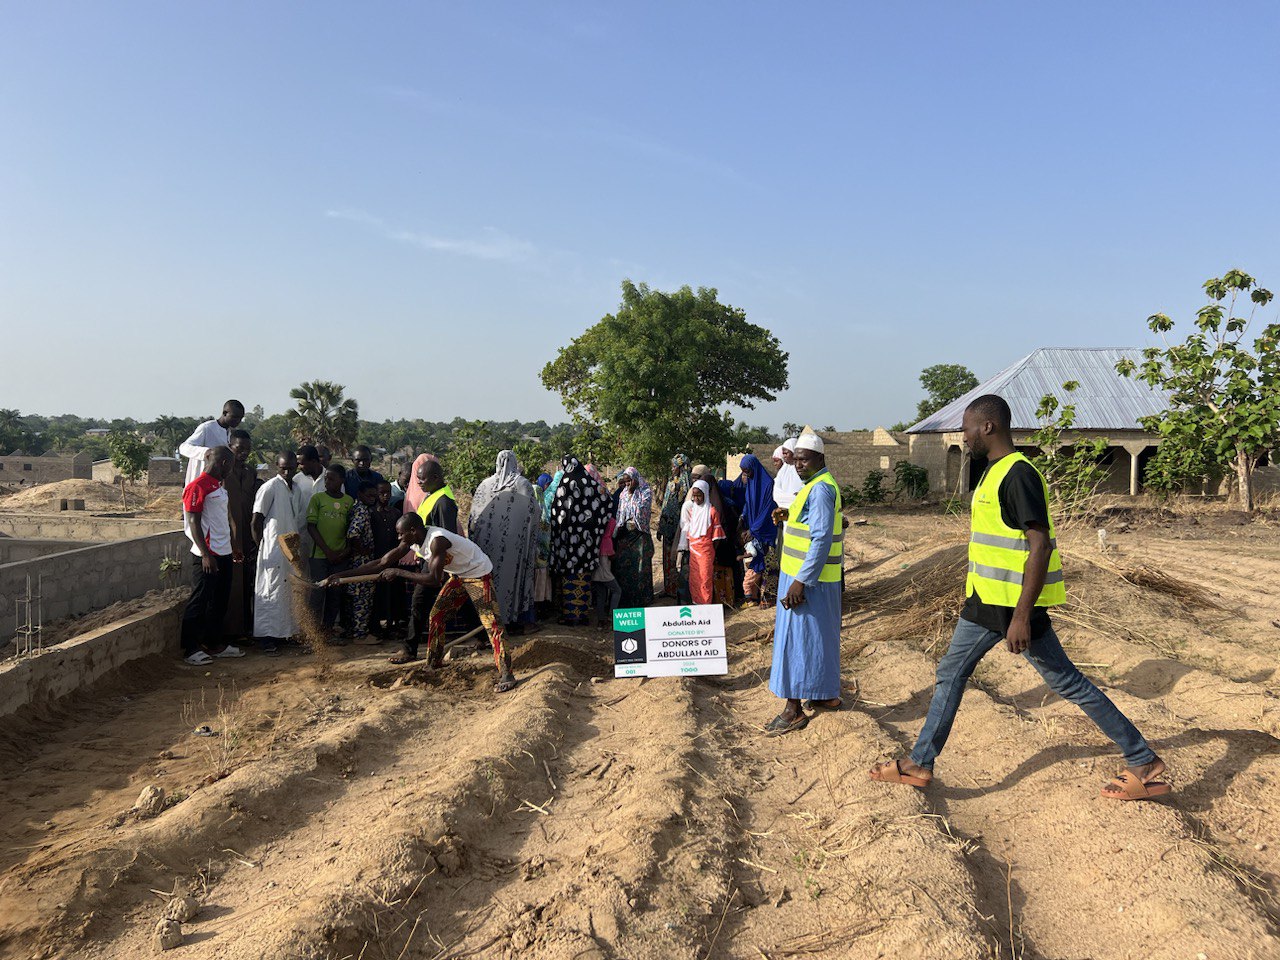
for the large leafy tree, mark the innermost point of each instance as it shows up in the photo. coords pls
(324, 416)
(653, 378)
(130, 454)
(943, 382)
(1224, 395)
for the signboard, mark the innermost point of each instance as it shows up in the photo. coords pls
(683, 641)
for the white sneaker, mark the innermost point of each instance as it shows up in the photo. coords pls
(198, 659)
(229, 651)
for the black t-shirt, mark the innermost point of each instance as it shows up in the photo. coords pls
(1022, 503)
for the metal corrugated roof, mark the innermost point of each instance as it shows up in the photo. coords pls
(1104, 400)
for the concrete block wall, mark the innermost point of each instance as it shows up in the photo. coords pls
(12, 549)
(22, 470)
(43, 679)
(85, 579)
(81, 527)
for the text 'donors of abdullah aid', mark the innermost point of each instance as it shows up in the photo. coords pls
(670, 641)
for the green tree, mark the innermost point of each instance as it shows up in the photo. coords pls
(324, 416)
(1072, 470)
(130, 454)
(12, 431)
(1223, 395)
(653, 377)
(171, 431)
(943, 382)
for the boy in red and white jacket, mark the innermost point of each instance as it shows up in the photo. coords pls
(205, 522)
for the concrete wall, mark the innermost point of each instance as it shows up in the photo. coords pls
(851, 455)
(12, 550)
(25, 470)
(84, 527)
(90, 578)
(161, 472)
(41, 680)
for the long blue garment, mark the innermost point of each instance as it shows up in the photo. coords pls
(806, 640)
(757, 510)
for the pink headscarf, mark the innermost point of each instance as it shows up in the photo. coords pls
(414, 496)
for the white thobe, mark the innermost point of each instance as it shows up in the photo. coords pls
(304, 488)
(273, 595)
(196, 447)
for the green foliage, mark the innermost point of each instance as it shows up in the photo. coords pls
(130, 454)
(1182, 463)
(790, 429)
(323, 416)
(1072, 471)
(850, 496)
(873, 490)
(169, 431)
(910, 480)
(653, 377)
(943, 382)
(1224, 401)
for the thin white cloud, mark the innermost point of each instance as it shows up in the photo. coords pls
(494, 244)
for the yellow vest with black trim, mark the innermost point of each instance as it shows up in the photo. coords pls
(796, 536)
(998, 553)
(427, 505)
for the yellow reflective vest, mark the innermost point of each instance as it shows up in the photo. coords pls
(796, 536)
(427, 505)
(998, 553)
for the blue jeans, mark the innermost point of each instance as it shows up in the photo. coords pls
(970, 643)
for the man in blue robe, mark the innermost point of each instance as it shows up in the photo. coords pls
(806, 637)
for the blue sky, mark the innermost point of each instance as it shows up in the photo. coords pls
(423, 201)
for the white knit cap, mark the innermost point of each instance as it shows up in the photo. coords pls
(790, 444)
(810, 441)
(777, 453)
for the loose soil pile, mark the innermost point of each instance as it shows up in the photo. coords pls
(346, 809)
(98, 497)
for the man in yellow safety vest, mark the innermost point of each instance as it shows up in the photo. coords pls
(806, 633)
(440, 507)
(1015, 575)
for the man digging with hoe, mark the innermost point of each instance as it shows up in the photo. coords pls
(461, 570)
(1015, 574)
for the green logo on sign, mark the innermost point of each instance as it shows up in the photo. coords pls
(686, 612)
(629, 619)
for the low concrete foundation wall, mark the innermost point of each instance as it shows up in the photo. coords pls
(89, 578)
(40, 680)
(82, 527)
(13, 549)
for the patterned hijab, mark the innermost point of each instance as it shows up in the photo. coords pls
(508, 472)
(579, 513)
(635, 506)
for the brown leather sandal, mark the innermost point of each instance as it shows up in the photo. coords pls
(1134, 788)
(892, 773)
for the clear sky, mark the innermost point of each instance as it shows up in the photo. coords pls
(422, 201)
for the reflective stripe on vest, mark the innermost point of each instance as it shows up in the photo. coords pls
(998, 553)
(796, 536)
(429, 504)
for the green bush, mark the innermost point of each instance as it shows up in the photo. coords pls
(873, 490)
(910, 480)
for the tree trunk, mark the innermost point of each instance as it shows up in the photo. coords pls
(124, 502)
(1244, 477)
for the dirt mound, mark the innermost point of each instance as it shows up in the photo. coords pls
(98, 497)
(541, 651)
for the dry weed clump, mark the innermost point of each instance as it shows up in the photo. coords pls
(221, 730)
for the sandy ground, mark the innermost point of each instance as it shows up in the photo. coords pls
(98, 497)
(347, 809)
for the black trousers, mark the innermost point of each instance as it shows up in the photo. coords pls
(207, 606)
(424, 598)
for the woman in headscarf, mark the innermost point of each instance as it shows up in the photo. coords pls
(504, 524)
(673, 498)
(757, 508)
(700, 524)
(633, 543)
(727, 576)
(413, 493)
(579, 513)
(542, 576)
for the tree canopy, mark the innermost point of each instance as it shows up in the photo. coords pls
(323, 416)
(653, 378)
(943, 382)
(1224, 403)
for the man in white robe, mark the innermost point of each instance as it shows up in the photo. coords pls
(307, 482)
(210, 434)
(275, 514)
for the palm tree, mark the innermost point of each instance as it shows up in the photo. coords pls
(171, 431)
(323, 416)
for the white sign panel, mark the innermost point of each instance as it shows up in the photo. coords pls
(683, 641)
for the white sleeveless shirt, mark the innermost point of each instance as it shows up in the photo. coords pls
(464, 559)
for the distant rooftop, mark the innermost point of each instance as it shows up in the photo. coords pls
(1104, 400)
